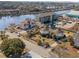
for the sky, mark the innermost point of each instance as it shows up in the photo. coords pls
(46, 0)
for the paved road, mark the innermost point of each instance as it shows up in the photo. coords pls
(39, 50)
(2, 55)
(35, 48)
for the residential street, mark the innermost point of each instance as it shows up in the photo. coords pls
(35, 48)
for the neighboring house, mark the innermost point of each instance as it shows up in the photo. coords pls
(59, 35)
(76, 40)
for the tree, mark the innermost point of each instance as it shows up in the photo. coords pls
(12, 47)
(12, 27)
(39, 43)
(70, 39)
(3, 36)
(46, 45)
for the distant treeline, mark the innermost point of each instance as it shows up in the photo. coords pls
(18, 8)
(15, 5)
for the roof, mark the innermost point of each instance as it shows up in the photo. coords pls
(62, 12)
(68, 12)
(44, 32)
(74, 13)
(45, 14)
(60, 34)
(76, 39)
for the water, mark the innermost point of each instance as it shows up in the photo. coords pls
(5, 21)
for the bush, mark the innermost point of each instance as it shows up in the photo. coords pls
(12, 47)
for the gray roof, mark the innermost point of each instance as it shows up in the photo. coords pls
(68, 12)
(44, 32)
(60, 34)
(76, 39)
(72, 12)
(62, 12)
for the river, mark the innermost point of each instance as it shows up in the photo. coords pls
(5, 21)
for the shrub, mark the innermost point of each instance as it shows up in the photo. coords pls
(12, 47)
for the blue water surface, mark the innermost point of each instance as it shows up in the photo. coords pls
(5, 21)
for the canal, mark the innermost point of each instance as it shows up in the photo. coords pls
(5, 21)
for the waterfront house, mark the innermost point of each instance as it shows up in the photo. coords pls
(45, 17)
(28, 24)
